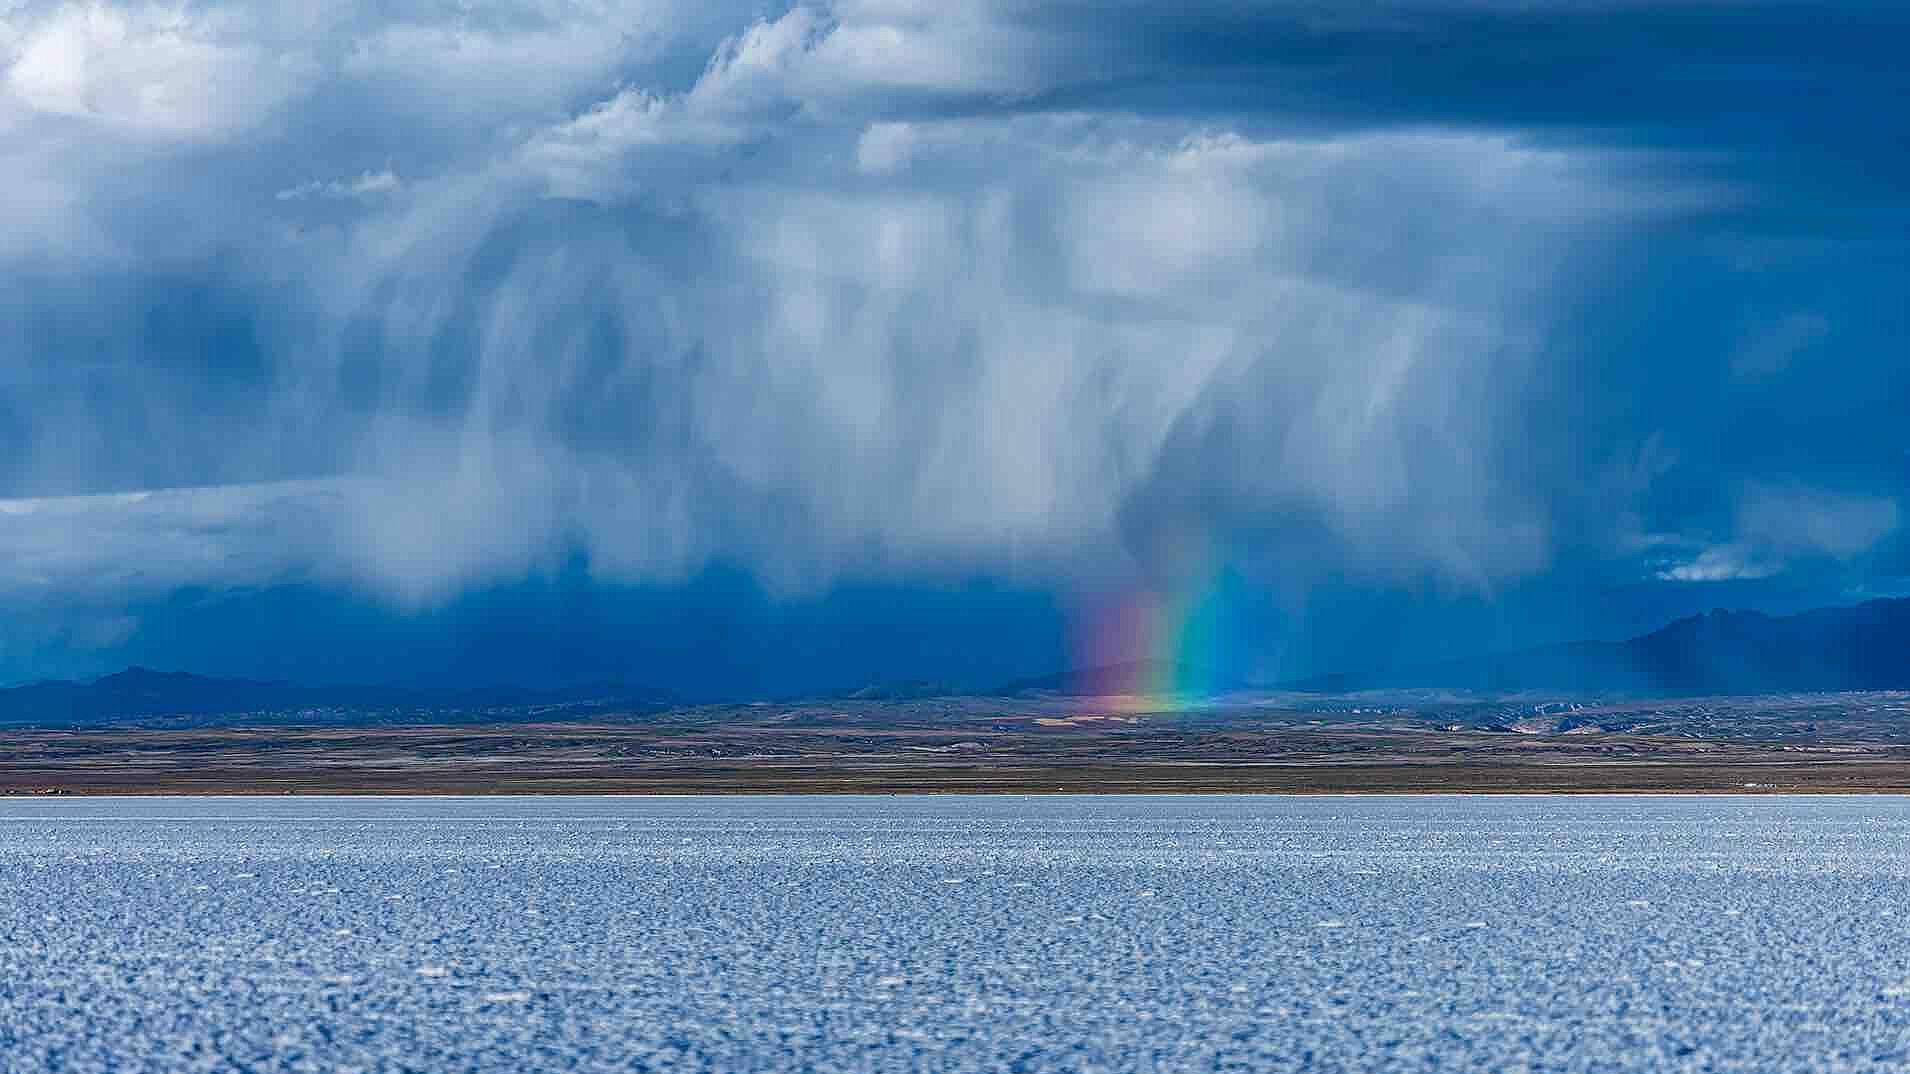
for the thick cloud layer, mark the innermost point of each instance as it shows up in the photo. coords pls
(1463, 300)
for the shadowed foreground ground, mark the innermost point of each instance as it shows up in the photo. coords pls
(530, 759)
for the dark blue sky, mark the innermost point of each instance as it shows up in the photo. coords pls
(751, 349)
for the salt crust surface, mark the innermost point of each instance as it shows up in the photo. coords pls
(950, 933)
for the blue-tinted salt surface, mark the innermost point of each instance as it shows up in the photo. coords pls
(1000, 934)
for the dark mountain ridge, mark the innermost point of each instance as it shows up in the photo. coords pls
(143, 695)
(1863, 647)
(1133, 677)
(1860, 647)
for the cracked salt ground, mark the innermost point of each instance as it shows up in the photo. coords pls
(781, 934)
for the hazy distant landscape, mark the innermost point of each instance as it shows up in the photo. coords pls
(1574, 717)
(1581, 685)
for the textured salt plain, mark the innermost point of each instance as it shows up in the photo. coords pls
(1001, 934)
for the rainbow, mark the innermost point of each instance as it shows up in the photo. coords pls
(1146, 651)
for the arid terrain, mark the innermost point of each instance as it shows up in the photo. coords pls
(1271, 743)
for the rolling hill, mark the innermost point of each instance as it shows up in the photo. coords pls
(1863, 647)
(146, 696)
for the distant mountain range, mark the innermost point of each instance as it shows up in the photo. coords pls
(1139, 676)
(1865, 647)
(145, 696)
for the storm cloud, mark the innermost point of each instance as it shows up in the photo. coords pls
(1453, 300)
